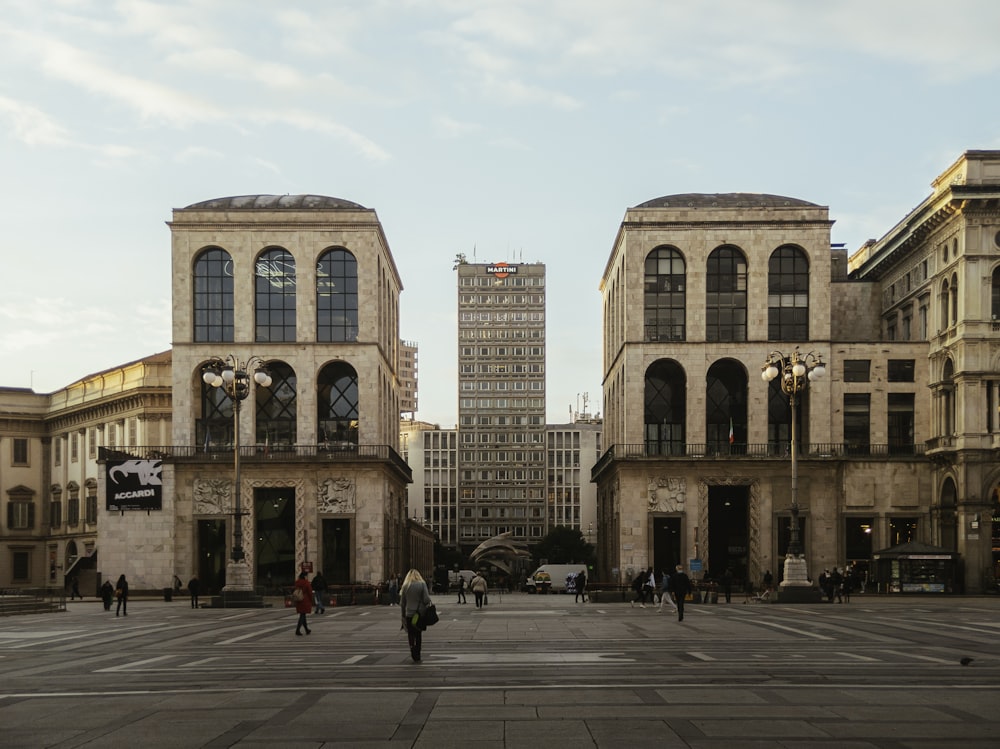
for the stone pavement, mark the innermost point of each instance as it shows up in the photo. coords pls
(526, 671)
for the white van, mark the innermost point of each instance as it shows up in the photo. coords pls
(557, 576)
(453, 576)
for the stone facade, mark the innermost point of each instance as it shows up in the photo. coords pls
(663, 500)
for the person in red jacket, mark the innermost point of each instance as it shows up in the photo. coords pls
(303, 604)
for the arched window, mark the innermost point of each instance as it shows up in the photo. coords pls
(665, 406)
(213, 296)
(215, 424)
(664, 284)
(337, 404)
(726, 407)
(274, 295)
(944, 305)
(954, 299)
(788, 295)
(726, 296)
(276, 407)
(948, 393)
(995, 296)
(337, 296)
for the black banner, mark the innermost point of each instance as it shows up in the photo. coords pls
(134, 485)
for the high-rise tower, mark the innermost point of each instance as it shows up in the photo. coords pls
(501, 401)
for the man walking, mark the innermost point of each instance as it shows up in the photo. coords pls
(665, 593)
(680, 584)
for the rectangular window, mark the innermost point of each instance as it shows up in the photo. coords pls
(857, 370)
(92, 443)
(74, 447)
(73, 512)
(57, 449)
(55, 513)
(91, 510)
(21, 515)
(901, 419)
(20, 566)
(901, 370)
(902, 530)
(858, 539)
(857, 423)
(19, 452)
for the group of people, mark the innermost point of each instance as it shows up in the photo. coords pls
(119, 592)
(839, 584)
(672, 589)
(477, 585)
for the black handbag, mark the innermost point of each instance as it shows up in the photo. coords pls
(429, 616)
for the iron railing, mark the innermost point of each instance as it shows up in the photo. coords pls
(755, 451)
(250, 454)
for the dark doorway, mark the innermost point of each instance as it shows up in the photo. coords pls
(274, 521)
(728, 537)
(666, 544)
(211, 555)
(337, 551)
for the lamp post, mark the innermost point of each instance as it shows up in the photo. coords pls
(796, 371)
(232, 376)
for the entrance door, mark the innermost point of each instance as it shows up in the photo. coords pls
(274, 522)
(666, 544)
(337, 551)
(728, 536)
(211, 556)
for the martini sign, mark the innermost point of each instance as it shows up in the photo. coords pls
(501, 270)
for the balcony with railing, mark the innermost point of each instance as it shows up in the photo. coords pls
(756, 451)
(263, 453)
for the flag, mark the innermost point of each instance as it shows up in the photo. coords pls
(267, 446)
(208, 438)
(732, 437)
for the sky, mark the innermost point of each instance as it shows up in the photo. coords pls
(508, 130)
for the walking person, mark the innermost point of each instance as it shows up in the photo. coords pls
(461, 590)
(414, 600)
(303, 603)
(75, 589)
(194, 589)
(581, 586)
(478, 587)
(665, 593)
(121, 593)
(639, 587)
(680, 584)
(649, 587)
(727, 584)
(319, 592)
(107, 594)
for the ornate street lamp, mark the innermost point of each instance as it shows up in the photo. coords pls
(232, 376)
(796, 371)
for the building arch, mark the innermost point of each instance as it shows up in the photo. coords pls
(665, 294)
(788, 294)
(213, 298)
(726, 385)
(337, 405)
(274, 296)
(277, 406)
(665, 408)
(726, 295)
(336, 296)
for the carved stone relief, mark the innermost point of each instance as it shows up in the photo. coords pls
(336, 496)
(211, 496)
(667, 494)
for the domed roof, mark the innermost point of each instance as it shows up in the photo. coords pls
(274, 202)
(726, 200)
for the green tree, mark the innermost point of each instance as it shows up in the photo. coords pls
(563, 545)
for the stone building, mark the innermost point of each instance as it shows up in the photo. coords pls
(49, 470)
(306, 287)
(895, 443)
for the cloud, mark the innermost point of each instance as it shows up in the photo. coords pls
(448, 127)
(315, 122)
(31, 125)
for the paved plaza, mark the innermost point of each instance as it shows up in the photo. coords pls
(525, 671)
